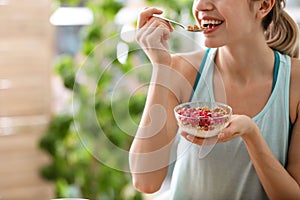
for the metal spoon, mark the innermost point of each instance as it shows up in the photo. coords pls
(193, 28)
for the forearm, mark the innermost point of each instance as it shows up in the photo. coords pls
(276, 180)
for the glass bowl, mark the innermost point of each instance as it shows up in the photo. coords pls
(203, 119)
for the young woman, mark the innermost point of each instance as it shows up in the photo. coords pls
(251, 64)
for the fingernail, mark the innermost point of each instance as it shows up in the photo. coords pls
(221, 135)
(189, 137)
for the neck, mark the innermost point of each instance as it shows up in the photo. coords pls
(245, 61)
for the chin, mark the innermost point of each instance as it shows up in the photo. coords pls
(211, 44)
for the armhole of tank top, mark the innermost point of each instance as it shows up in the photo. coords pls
(200, 72)
(275, 77)
(290, 120)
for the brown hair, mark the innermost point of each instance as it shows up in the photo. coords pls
(281, 31)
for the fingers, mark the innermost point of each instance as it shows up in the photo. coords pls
(200, 141)
(153, 35)
(229, 132)
(146, 14)
(151, 29)
(238, 126)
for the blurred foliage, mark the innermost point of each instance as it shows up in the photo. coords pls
(173, 5)
(83, 162)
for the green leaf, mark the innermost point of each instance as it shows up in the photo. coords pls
(66, 68)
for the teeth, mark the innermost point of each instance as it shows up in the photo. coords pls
(206, 22)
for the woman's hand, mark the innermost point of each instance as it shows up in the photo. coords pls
(152, 35)
(239, 125)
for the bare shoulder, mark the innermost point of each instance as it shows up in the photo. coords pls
(295, 88)
(295, 62)
(187, 65)
(295, 74)
(191, 58)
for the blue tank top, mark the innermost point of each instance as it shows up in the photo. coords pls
(224, 171)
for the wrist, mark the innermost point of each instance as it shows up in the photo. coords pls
(252, 134)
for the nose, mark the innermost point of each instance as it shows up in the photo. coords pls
(203, 5)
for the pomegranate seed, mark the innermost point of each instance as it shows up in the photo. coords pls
(201, 117)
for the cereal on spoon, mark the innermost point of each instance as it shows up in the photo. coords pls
(195, 28)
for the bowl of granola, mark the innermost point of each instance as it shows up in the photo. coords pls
(203, 119)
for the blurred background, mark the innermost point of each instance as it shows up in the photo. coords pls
(73, 84)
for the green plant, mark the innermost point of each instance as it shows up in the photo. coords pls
(86, 144)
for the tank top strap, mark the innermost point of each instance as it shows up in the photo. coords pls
(276, 69)
(275, 74)
(200, 72)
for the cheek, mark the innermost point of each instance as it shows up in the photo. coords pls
(241, 26)
(237, 22)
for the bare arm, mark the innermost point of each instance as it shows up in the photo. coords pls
(278, 182)
(171, 83)
(150, 150)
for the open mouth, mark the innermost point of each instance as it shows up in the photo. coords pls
(209, 24)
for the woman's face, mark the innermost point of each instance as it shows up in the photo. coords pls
(227, 21)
